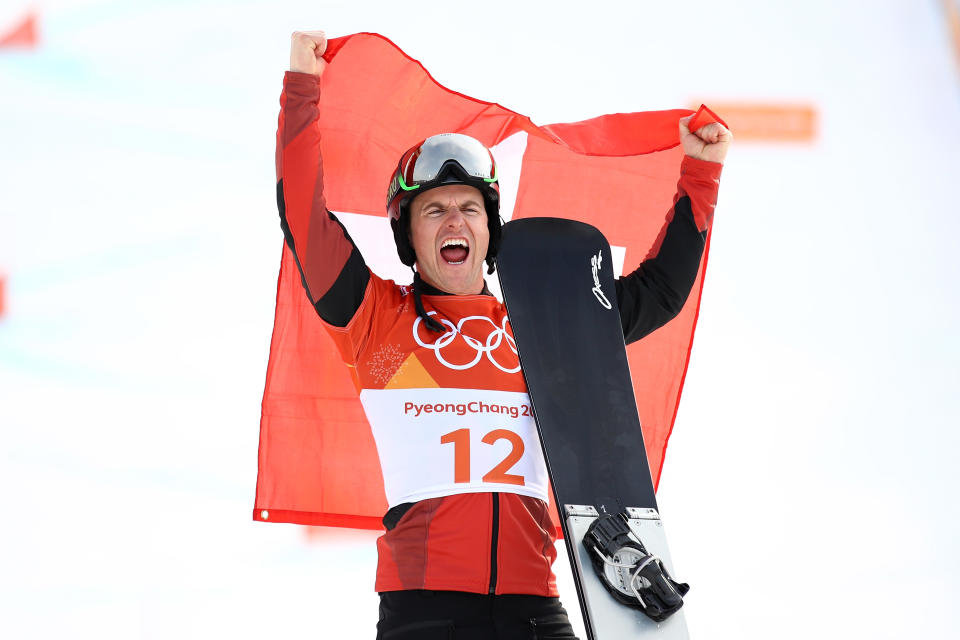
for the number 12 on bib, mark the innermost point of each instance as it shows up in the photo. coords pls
(558, 286)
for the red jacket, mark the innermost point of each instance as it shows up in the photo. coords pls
(462, 469)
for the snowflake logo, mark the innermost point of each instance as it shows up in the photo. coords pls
(386, 363)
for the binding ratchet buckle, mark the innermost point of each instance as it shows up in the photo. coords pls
(631, 574)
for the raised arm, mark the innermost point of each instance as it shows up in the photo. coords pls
(655, 293)
(333, 272)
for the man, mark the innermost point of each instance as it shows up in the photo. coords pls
(469, 543)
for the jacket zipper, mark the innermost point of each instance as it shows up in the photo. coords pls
(493, 542)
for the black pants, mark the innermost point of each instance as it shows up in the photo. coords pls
(453, 615)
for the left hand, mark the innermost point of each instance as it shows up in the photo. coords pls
(710, 142)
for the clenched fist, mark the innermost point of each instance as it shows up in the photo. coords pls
(306, 51)
(710, 142)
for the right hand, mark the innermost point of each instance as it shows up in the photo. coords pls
(306, 51)
(710, 142)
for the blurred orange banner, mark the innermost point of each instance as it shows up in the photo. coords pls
(769, 121)
(951, 9)
(23, 34)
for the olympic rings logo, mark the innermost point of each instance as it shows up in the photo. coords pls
(488, 347)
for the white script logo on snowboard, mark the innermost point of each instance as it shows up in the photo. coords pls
(597, 291)
(490, 346)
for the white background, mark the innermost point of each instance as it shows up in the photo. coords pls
(809, 488)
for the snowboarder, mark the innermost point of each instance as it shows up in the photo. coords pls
(468, 546)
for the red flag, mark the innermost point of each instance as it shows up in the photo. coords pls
(22, 35)
(317, 461)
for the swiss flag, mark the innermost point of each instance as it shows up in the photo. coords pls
(317, 460)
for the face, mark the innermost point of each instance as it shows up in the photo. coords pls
(448, 231)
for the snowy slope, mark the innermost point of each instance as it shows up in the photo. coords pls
(809, 483)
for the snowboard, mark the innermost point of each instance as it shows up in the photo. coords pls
(558, 286)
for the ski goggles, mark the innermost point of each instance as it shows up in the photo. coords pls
(429, 161)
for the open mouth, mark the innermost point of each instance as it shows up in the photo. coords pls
(455, 250)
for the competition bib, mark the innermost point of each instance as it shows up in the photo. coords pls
(440, 442)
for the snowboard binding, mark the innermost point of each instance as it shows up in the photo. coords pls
(629, 572)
